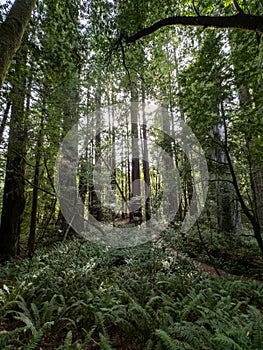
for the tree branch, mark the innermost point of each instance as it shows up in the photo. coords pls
(195, 8)
(237, 7)
(239, 21)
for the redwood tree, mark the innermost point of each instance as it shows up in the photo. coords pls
(12, 31)
(13, 196)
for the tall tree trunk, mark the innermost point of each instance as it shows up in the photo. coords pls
(249, 87)
(146, 168)
(172, 202)
(136, 210)
(255, 169)
(83, 183)
(12, 31)
(228, 214)
(95, 204)
(257, 187)
(33, 221)
(13, 197)
(71, 221)
(113, 171)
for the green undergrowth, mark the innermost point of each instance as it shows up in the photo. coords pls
(236, 254)
(80, 296)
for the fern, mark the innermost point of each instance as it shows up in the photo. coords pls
(35, 316)
(148, 306)
(105, 343)
(255, 327)
(34, 340)
(190, 334)
(99, 321)
(226, 342)
(27, 321)
(88, 336)
(68, 340)
(170, 344)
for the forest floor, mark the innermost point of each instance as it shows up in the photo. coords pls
(217, 272)
(219, 254)
(167, 294)
(228, 261)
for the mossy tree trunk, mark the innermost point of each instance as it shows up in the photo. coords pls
(12, 31)
(13, 196)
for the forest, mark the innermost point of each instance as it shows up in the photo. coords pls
(131, 174)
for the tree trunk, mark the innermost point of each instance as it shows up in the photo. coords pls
(136, 210)
(13, 197)
(11, 33)
(113, 171)
(228, 215)
(95, 204)
(32, 232)
(255, 169)
(146, 169)
(4, 120)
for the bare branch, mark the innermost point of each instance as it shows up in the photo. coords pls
(237, 7)
(195, 8)
(124, 62)
(239, 21)
(39, 188)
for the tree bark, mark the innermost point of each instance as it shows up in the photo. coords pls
(13, 197)
(4, 120)
(136, 209)
(239, 21)
(11, 33)
(146, 167)
(95, 208)
(228, 216)
(33, 221)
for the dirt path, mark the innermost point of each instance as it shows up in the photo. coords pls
(216, 272)
(211, 271)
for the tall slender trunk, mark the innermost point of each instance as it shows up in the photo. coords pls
(33, 221)
(128, 170)
(136, 210)
(172, 195)
(255, 172)
(95, 204)
(228, 215)
(146, 169)
(113, 170)
(83, 185)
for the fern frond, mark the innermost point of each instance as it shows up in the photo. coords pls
(226, 342)
(170, 344)
(34, 340)
(105, 343)
(27, 321)
(68, 339)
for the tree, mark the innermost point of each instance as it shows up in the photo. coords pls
(33, 219)
(12, 31)
(13, 196)
(53, 80)
(71, 78)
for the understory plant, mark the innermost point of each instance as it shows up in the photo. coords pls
(81, 296)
